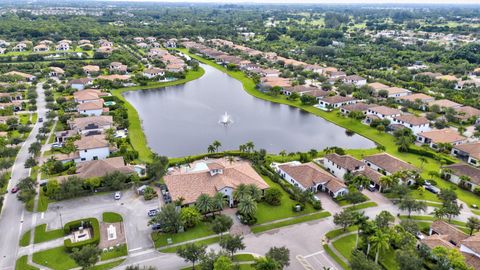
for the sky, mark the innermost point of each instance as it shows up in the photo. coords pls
(321, 1)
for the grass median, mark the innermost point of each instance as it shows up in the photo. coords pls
(301, 219)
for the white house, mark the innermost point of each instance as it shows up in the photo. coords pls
(92, 108)
(340, 165)
(468, 151)
(384, 112)
(80, 84)
(91, 124)
(63, 46)
(455, 172)
(153, 72)
(437, 136)
(309, 176)
(355, 80)
(388, 165)
(56, 72)
(331, 102)
(416, 123)
(94, 147)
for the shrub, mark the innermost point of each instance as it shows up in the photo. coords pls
(273, 196)
(87, 222)
(475, 190)
(317, 205)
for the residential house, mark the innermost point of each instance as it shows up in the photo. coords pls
(114, 77)
(462, 174)
(336, 74)
(309, 176)
(62, 46)
(138, 39)
(449, 78)
(94, 147)
(80, 84)
(415, 123)
(100, 168)
(211, 177)
(84, 42)
(396, 92)
(373, 175)
(384, 112)
(91, 108)
(20, 47)
(299, 89)
(466, 113)
(151, 39)
(24, 76)
(357, 107)
(314, 68)
(91, 69)
(153, 72)
(355, 80)
(331, 102)
(376, 86)
(41, 48)
(468, 83)
(56, 72)
(440, 136)
(470, 152)
(444, 104)
(175, 67)
(340, 165)
(91, 124)
(142, 45)
(88, 95)
(387, 165)
(117, 67)
(269, 82)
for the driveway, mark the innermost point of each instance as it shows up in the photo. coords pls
(131, 206)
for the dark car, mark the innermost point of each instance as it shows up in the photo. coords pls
(15, 189)
(153, 212)
(40, 120)
(156, 227)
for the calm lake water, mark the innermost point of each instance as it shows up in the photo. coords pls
(183, 120)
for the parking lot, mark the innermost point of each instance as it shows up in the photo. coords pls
(132, 207)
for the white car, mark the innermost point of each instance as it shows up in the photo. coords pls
(117, 195)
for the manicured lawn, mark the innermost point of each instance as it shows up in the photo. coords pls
(205, 242)
(41, 235)
(107, 266)
(345, 245)
(338, 232)
(267, 227)
(22, 264)
(266, 212)
(34, 118)
(25, 240)
(362, 205)
(111, 217)
(476, 212)
(243, 257)
(136, 135)
(335, 257)
(42, 204)
(55, 258)
(24, 118)
(115, 253)
(382, 138)
(201, 230)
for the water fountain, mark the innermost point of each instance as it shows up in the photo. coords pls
(225, 119)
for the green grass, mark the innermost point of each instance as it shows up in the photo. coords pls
(55, 258)
(243, 257)
(271, 226)
(345, 245)
(42, 204)
(362, 205)
(267, 213)
(111, 217)
(25, 240)
(335, 257)
(136, 134)
(338, 232)
(115, 253)
(24, 118)
(476, 212)
(205, 242)
(201, 230)
(22, 264)
(382, 138)
(34, 118)
(107, 266)
(42, 235)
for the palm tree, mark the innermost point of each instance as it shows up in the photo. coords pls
(218, 202)
(240, 192)
(230, 159)
(217, 145)
(360, 221)
(360, 181)
(386, 182)
(254, 192)
(423, 161)
(380, 241)
(211, 149)
(250, 146)
(204, 204)
(242, 148)
(247, 206)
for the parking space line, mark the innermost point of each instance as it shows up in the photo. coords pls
(313, 254)
(134, 249)
(304, 262)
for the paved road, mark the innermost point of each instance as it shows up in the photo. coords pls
(13, 217)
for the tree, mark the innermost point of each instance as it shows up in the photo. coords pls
(408, 259)
(354, 196)
(411, 205)
(267, 264)
(279, 254)
(204, 204)
(359, 261)
(35, 148)
(410, 226)
(217, 145)
(247, 207)
(380, 241)
(232, 243)
(30, 162)
(404, 138)
(387, 182)
(158, 167)
(221, 224)
(240, 192)
(211, 149)
(218, 202)
(86, 256)
(345, 218)
(27, 189)
(473, 223)
(273, 196)
(168, 218)
(384, 219)
(190, 216)
(191, 252)
(451, 256)
(254, 192)
(223, 263)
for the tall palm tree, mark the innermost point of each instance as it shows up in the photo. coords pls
(204, 204)
(386, 182)
(211, 149)
(250, 146)
(218, 202)
(254, 192)
(242, 148)
(380, 241)
(423, 161)
(360, 181)
(240, 192)
(247, 206)
(360, 221)
(217, 145)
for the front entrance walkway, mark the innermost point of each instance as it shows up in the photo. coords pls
(328, 203)
(237, 228)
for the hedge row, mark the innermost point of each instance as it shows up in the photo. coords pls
(87, 222)
(430, 154)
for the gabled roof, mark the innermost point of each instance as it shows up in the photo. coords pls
(462, 169)
(446, 135)
(307, 174)
(472, 149)
(98, 168)
(384, 110)
(91, 142)
(389, 163)
(412, 119)
(453, 234)
(345, 161)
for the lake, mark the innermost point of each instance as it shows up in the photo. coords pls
(183, 120)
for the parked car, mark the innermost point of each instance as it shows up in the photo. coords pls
(43, 182)
(371, 188)
(117, 195)
(432, 189)
(153, 212)
(15, 189)
(40, 120)
(167, 198)
(57, 145)
(156, 227)
(419, 235)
